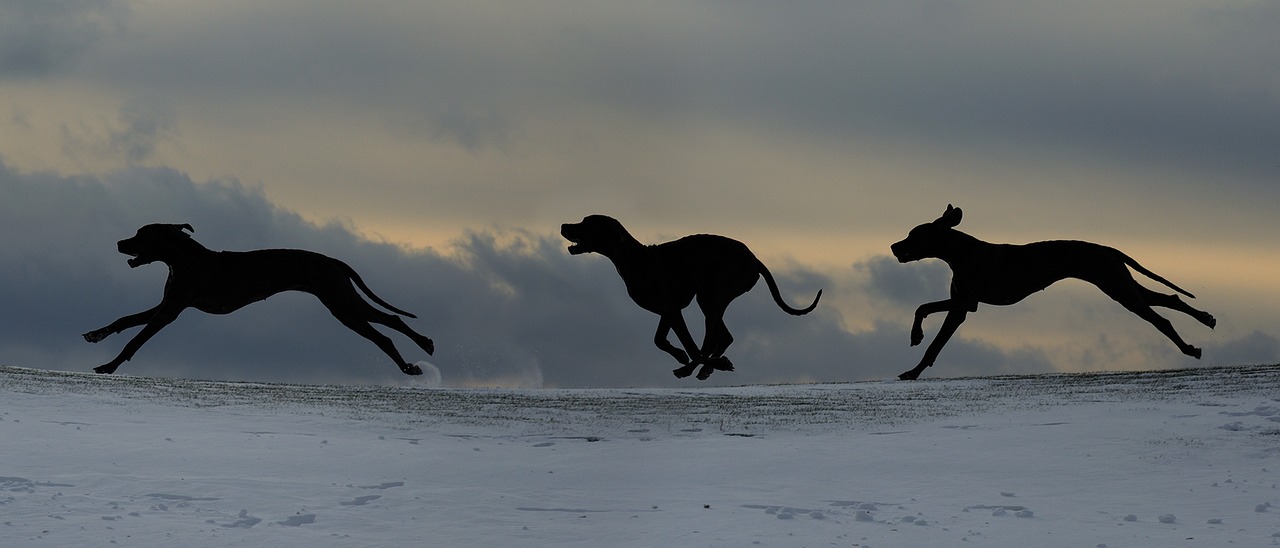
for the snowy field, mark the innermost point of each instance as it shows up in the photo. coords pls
(1172, 458)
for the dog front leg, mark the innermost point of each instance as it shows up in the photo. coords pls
(132, 320)
(917, 326)
(955, 317)
(158, 321)
(660, 340)
(690, 357)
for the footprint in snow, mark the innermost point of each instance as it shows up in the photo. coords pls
(999, 510)
(788, 512)
(360, 501)
(24, 485)
(180, 498)
(295, 521)
(243, 521)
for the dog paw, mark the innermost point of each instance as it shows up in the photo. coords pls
(682, 372)
(411, 369)
(721, 364)
(95, 336)
(705, 372)
(426, 344)
(917, 335)
(105, 369)
(909, 375)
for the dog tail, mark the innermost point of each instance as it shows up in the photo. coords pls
(1134, 264)
(355, 277)
(777, 296)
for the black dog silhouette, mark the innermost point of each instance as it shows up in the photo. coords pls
(665, 278)
(221, 282)
(1003, 274)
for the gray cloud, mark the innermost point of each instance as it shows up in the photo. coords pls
(43, 37)
(564, 101)
(1254, 348)
(144, 125)
(905, 284)
(141, 127)
(1074, 79)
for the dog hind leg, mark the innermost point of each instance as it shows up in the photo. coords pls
(717, 338)
(364, 329)
(715, 341)
(356, 314)
(714, 302)
(1173, 302)
(397, 323)
(1132, 298)
(696, 356)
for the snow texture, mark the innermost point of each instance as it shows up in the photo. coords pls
(1169, 458)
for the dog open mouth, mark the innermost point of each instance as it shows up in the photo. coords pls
(575, 242)
(575, 247)
(136, 259)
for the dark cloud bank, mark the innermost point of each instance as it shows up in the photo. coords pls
(505, 307)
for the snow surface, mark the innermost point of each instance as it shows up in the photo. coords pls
(1168, 458)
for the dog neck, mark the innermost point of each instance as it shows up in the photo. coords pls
(191, 251)
(627, 252)
(958, 249)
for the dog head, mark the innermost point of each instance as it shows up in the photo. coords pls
(595, 234)
(928, 240)
(156, 242)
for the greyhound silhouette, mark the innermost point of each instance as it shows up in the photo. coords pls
(221, 282)
(1003, 274)
(666, 278)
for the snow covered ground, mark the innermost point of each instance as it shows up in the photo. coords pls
(1170, 458)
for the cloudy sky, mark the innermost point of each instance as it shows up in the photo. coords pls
(437, 147)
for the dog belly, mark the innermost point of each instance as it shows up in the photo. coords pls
(229, 301)
(1011, 289)
(224, 307)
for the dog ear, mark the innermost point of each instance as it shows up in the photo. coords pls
(950, 218)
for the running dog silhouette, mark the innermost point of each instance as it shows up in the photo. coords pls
(1003, 274)
(221, 282)
(665, 278)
